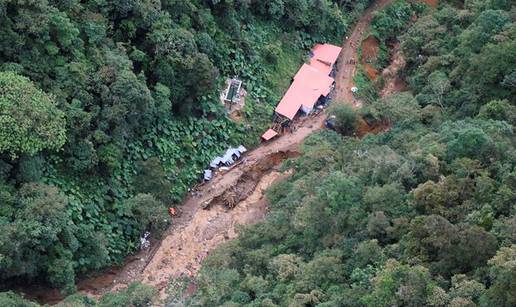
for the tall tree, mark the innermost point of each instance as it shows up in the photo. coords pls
(29, 119)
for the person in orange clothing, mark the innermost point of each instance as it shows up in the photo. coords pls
(172, 211)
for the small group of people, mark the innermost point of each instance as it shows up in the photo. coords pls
(289, 128)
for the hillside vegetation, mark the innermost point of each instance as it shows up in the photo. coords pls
(109, 110)
(420, 215)
(113, 110)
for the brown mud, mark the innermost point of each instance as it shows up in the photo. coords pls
(370, 48)
(432, 3)
(365, 128)
(345, 69)
(392, 74)
(247, 183)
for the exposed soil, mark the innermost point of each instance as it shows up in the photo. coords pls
(182, 252)
(247, 183)
(366, 128)
(346, 70)
(210, 215)
(370, 48)
(370, 71)
(432, 3)
(394, 81)
(236, 116)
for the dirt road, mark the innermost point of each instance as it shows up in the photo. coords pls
(345, 71)
(198, 231)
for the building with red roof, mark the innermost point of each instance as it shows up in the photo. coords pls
(308, 87)
(310, 83)
(324, 56)
(314, 78)
(269, 134)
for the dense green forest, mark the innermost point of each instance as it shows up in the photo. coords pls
(421, 215)
(109, 110)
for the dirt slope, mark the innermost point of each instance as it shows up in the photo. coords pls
(197, 231)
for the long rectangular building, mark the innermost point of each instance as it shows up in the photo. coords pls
(311, 82)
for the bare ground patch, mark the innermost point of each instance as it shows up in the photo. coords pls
(370, 48)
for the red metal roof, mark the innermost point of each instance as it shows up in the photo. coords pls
(324, 56)
(297, 95)
(311, 81)
(326, 53)
(269, 134)
(326, 69)
(314, 78)
(309, 84)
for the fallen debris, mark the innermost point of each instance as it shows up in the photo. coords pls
(246, 184)
(172, 211)
(144, 241)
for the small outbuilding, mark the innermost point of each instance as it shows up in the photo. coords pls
(232, 92)
(269, 134)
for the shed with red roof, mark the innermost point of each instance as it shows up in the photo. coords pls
(269, 134)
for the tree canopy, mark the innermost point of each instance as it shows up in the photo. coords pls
(30, 120)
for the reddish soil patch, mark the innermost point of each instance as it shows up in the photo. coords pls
(394, 82)
(432, 3)
(375, 128)
(371, 71)
(370, 49)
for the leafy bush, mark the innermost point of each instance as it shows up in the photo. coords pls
(12, 299)
(30, 120)
(135, 295)
(346, 119)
